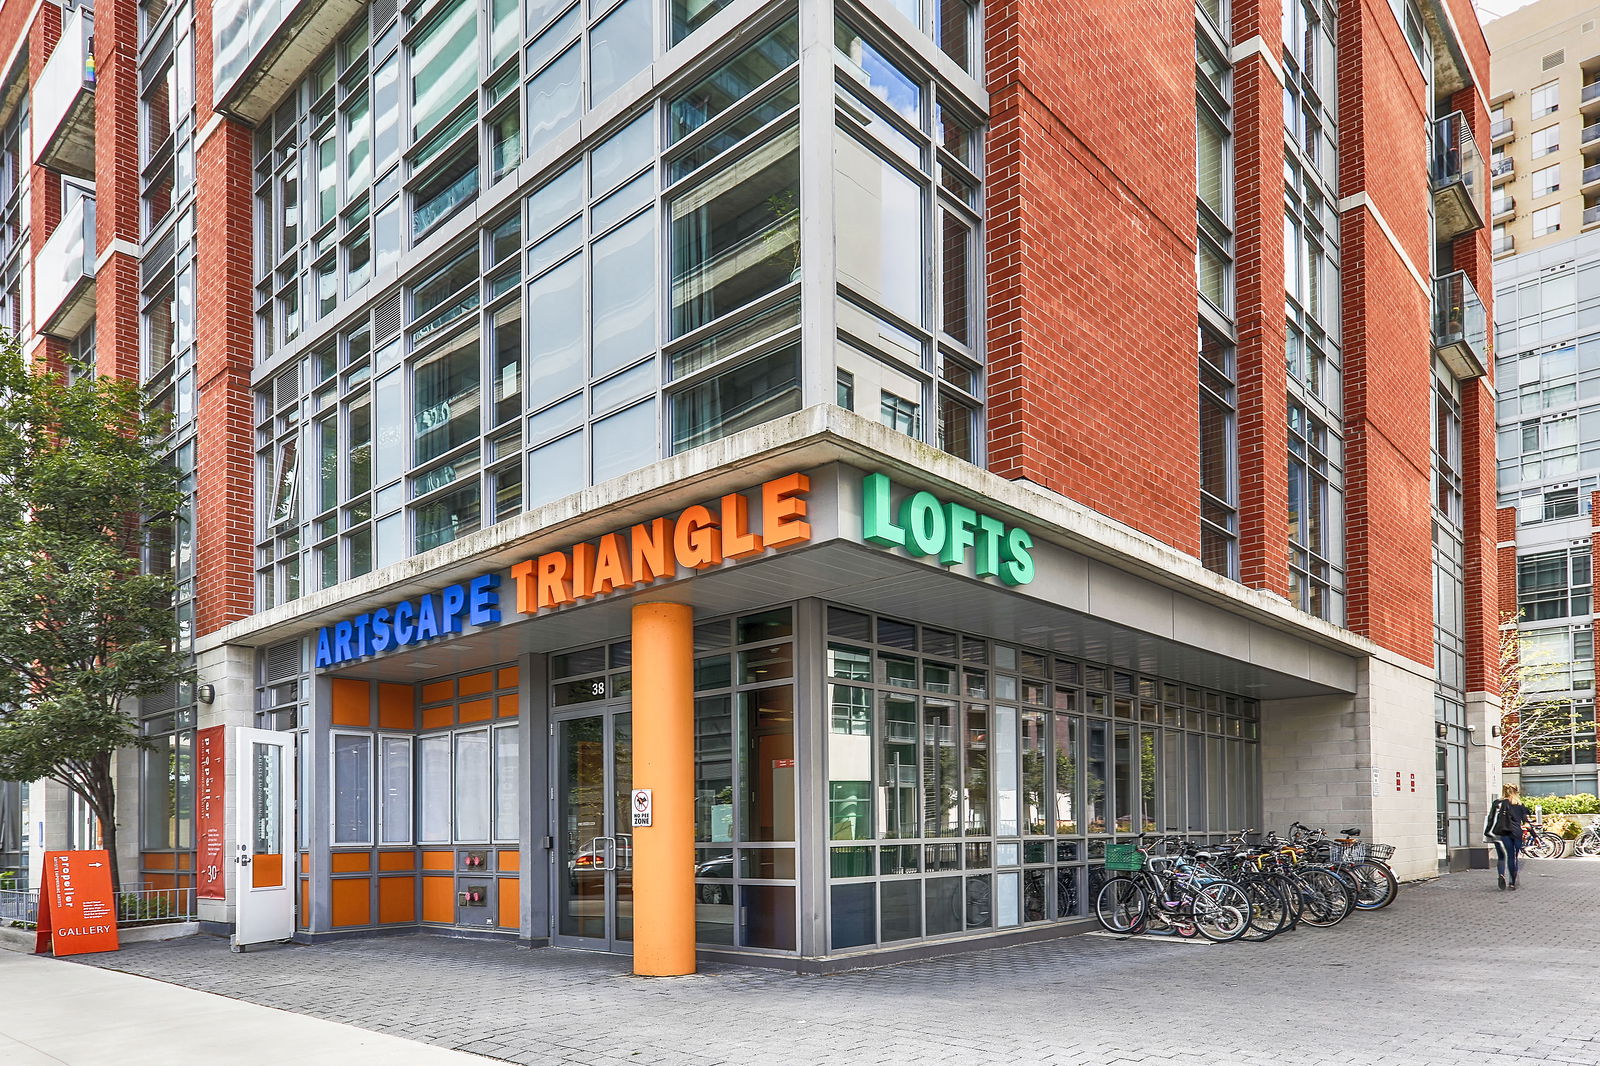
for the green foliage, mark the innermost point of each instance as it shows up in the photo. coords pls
(82, 630)
(1578, 803)
(1561, 825)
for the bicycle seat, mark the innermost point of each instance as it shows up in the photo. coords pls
(1351, 832)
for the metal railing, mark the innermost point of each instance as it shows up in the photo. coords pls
(137, 904)
(1591, 215)
(1503, 205)
(1503, 245)
(1500, 166)
(1591, 92)
(1499, 129)
(1458, 316)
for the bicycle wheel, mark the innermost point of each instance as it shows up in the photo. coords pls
(1543, 846)
(1327, 901)
(1269, 910)
(1221, 912)
(1289, 889)
(1589, 845)
(1376, 886)
(1120, 905)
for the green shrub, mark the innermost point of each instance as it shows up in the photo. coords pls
(1563, 826)
(1579, 803)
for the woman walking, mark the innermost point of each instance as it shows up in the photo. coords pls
(1503, 829)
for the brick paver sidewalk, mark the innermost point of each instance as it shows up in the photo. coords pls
(1453, 972)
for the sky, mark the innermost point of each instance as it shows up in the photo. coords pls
(1488, 10)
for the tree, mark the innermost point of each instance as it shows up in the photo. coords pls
(82, 631)
(1533, 722)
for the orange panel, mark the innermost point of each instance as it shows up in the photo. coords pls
(439, 690)
(473, 684)
(439, 900)
(266, 871)
(158, 860)
(397, 860)
(477, 711)
(351, 862)
(301, 919)
(397, 899)
(162, 880)
(438, 717)
(305, 862)
(509, 900)
(510, 860)
(438, 860)
(352, 901)
(508, 706)
(352, 702)
(185, 860)
(507, 678)
(397, 707)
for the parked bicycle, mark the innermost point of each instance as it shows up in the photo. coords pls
(1168, 893)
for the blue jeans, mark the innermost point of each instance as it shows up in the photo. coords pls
(1506, 851)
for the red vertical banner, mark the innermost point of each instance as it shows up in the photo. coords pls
(210, 775)
(77, 909)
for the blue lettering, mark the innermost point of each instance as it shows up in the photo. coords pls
(324, 652)
(452, 599)
(483, 602)
(427, 620)
(382, 637)
(404, 632)
(362, 634)
(342, 632)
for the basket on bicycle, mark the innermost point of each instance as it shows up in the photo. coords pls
(1364, 852)
(1124, 857)
(1380, 852)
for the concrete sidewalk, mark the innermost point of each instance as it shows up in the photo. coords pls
(52, 1012)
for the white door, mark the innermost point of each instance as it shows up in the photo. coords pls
(264, 857)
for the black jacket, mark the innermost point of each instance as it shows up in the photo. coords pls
(1516, 814)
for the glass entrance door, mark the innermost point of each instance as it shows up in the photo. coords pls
(594, 843)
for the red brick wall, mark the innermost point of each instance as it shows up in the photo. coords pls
(1090, 257)
(1486, 582)
(116, 112)
(1387, 327)
(224, 409)
(1259, 310)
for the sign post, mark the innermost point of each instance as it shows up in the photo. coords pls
(77, 909)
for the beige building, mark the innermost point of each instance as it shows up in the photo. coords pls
(1544, 121)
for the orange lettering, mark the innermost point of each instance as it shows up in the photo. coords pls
(553, 590)
(737, 540)
(610, 570)
(583, 570)
(697, 541)
(652, 551)
(783, 510)
(527, 598)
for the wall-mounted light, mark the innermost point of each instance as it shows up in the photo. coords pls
(206, 693)
(1441, 730)
(1494, 731)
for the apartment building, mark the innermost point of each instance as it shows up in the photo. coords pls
(1544, 124)
(780, 480)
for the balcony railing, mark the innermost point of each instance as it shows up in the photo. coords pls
(1591, 93)
(1505, 245)
(63, 274)
(262, 47)
(1501, 168)
(1502, 205)
(1460, 327)
(1591, 135)
(1499, 129)
(1591, 174)
(63, 101)
(1457, 172)
(1591, 216)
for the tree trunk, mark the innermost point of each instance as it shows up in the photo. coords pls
(102, 799)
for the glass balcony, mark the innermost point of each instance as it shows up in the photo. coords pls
(63, 274)
(63, 101)
(1501, 167)
(1591, 136)
(1501, 206)
(1505, 245)
(1460, 327)
(1591, 97)
(1591, 175)
(262, 47)
(1591, 216)
(1499, 131)
(1457, 172)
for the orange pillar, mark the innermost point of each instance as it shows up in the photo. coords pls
(663, 762)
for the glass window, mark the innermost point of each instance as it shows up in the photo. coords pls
(747, 395)
(873, 69)
(433, 789)
(445, 398)
(444, 64)
(624, 295)
(394, 816)
(555, 331)
(732, 82)
(507, 776)
(736, 236)
(1546, 141)
(352, 788)
(471, 785)
(1547, 180)
(766, 729)
(850, 764)
(1545, 100)
(619, 47)
(879, 226)
(554, 97)
(625, 441)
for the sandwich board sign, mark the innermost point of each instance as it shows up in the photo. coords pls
(77, 909)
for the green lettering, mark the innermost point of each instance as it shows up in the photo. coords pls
(1018, 567)
(923, 520)
(876, 525)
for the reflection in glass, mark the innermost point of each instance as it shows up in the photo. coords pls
(352, 788)
(1122, 792)
(767, 916)
(941, 769)
(1094, 808)
(713, 769)
(852, 914)
(766, 734)
(1005, 771)
(619, 47)
(1066, 779)
(581, 820)
(879, 226)
(902, 910)
(976, 793)
(850, 764)
(898, 765)
(1033, 777)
